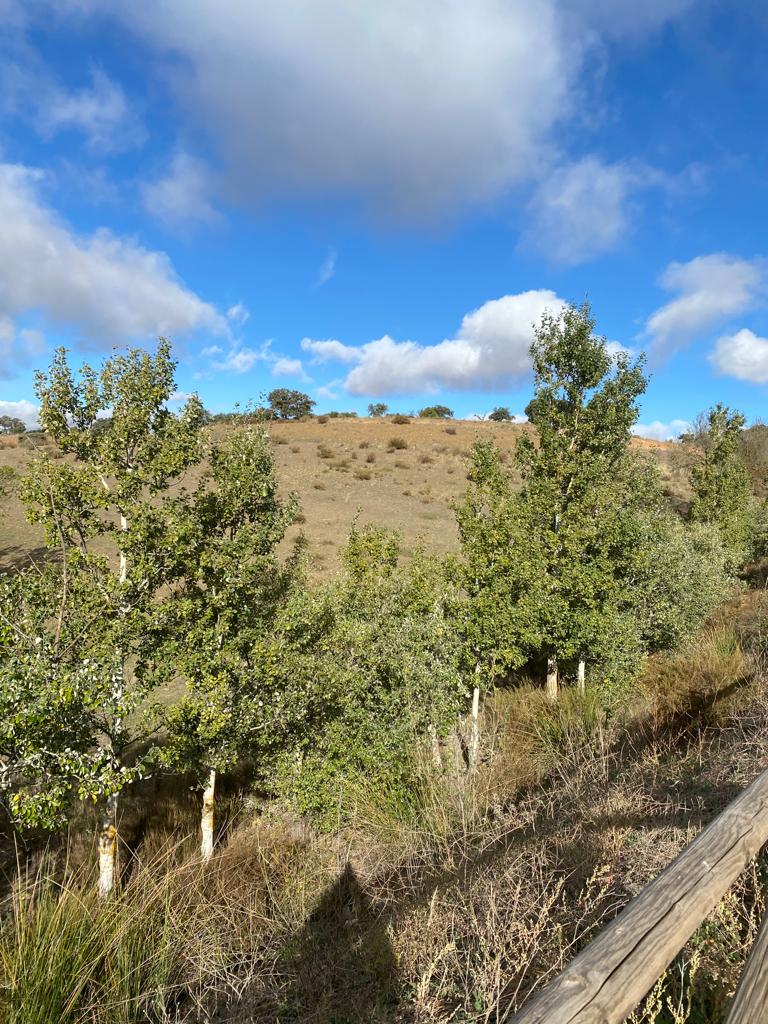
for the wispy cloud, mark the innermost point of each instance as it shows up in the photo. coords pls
(327, 269)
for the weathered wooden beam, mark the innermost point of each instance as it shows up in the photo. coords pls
(607, 980)
(750, 1004)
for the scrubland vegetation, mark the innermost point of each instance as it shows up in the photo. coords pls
(407, 791)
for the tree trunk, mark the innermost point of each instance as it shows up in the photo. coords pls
(207, 819)
(581, 679)
(552, 678)
(108, 850)
(474, 730)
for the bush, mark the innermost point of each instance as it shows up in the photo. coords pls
(376, 409)
(450, 430)
(436, 412)
(397, 444)
(400, 420)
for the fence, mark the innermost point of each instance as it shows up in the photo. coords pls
(609, 978)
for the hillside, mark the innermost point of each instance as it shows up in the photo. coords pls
(342, 465)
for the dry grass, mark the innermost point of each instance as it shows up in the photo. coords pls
(456, 910)
(309, 447)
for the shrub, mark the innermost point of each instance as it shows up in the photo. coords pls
(426, 460)
(324, 451)
(364, 444)
(397, 444)
(370, 457)
(322, 419)
(400, 420)
(376, 409)
(450, 430)
(362, 474)
(436, 412)
(399, 464)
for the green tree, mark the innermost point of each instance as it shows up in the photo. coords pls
(11, 425)
(381, 674)
(219, 624)
(722, 493)
(436, 412)
(378, 409)
(109, 518)
(578, 482)
(287, 404)
(500, 414)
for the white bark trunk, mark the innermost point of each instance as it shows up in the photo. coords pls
(581, 679)
(108, 850)
(552, 678)
(474, 730)
(207, 819)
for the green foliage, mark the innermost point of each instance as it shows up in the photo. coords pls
(580, 484)
(230, 589)
(585, 562)
(377, 409)
(500, 414)
(12, 425)
(436, 412)
(85, 629)
(383, 669)
(499, 571)
(287, 404)
(722, 494)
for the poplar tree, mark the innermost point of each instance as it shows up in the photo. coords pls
(576, 480)
(220, 624)
(722, 492)
(80, 662)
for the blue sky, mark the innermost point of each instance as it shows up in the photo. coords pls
(375, 201)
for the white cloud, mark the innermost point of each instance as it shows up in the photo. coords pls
(490, 351)
(181, 197)
(18, 348)
(238, 314)
(326, 391)
(323, 351)
(23, 410)
(327, 269)
(240, 359)
(283, 366)
(416, 107)
(658, 431)
(103, 287)
(743, 355)
(711, 289)
(581, 210)
(101, 112)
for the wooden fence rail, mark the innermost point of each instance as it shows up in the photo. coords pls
(610, 977)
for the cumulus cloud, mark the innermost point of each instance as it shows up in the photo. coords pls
(23, 410)
(711, 289)
(238, 314)
(489, 351)
(284, 366)
(658, 431)
(465, 96)
(743, 355)
(100, 111)
(181, 197)
(330, 349)
(104, 288)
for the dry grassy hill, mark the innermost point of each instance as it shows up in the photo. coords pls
(404, 476)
